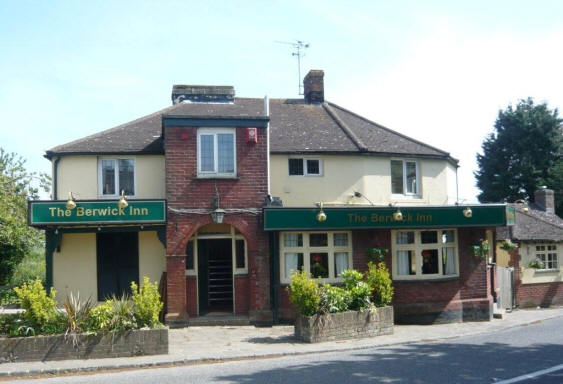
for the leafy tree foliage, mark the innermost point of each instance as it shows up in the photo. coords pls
(522, 154)
(16, 188)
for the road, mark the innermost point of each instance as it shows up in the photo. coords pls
(492, 358)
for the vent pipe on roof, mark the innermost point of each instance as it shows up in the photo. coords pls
(202, 93)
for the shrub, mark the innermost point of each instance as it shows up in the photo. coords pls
(101, 316)
(147, 302)
(358, 289)
(77, 314)
(379, 281)
(40, 309)
(304, 293)
(333, 299)
(32, 267)
(8, 297)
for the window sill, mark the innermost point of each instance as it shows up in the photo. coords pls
(426, 280)
(215, 177)
(554, 270)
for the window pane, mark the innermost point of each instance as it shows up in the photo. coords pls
(319, 264)
(411, 177)
(429, 261)
(405, 237)
(396, 176)
(108, 177)
(313, 167)
(293, 262)
(127, 176)
(448, 236)
(448, 260)
(190, 255)
(405, 263)
(226, 152)
(239, 252)
(293, 240)
(340, 262)
(296, 166)
(340, 239)
(207, 155)
(429, 237)
(318, 240)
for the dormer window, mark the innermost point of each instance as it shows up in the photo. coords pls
(216, 152)
(404, 177)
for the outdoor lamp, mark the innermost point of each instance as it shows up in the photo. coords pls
(70, 203)
(523, 202)
(398, 216)
(321, 216)
(218, 214)
(467, 212)
(122, 203)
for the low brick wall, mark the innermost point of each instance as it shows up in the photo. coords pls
(346, 325)
(114, 344)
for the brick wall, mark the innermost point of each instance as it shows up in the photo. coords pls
(242, 298)
(185, 191)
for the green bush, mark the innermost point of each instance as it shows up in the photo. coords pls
(358, 289)
(76, 314)
(381, 286)
(8, 297)
(334, 299)
(101, 316)
(147, 302)
(40, 308)
(304, 293)
(32, 267)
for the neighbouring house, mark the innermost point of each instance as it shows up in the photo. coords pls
(228, 195)
(537, 262)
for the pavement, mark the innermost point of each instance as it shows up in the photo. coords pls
(201, 344)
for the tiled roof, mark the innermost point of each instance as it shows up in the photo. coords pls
(295, 126)
(533, 225)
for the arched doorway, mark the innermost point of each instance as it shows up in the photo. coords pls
(215, 255)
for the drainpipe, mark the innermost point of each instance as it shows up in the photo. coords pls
(456, 186)
(267, 113)
(55, 174)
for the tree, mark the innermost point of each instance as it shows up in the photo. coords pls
(16, 188)
(522, 154)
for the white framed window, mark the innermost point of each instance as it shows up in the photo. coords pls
(405, 178)
(547, 254)
(305, 167)
(322, 254)
(116, 175)
(216, 152)
(425, 254)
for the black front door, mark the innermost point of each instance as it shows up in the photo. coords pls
(118, 263)
(215, 275)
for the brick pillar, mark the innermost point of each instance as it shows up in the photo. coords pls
(177, 314)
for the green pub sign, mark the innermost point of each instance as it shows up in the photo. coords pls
(96, 212)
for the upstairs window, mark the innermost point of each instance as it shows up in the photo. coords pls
(404, 177)
(116, 175)
(216, 152)
(305, 167)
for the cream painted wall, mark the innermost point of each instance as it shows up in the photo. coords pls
(75, 270)
(74, 267)
(451, 177)
(531, 275)
(79, 174)
(369, 175)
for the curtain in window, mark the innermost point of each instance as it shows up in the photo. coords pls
(291, 263)
(207, 154)
(108, 177)
(411, 177)
(340, 262)
(450, 261)
(402, 262)
(126, 176)
(291, 240)
(341, 239)
(225, 152)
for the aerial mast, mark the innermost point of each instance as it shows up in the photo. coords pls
(299, 52)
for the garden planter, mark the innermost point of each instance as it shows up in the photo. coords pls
(345, 325)
(85, 346)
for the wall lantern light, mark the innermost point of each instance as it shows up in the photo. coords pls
(321, 216)
(398, 215)
(122, 203)
(218, 214)
(70, 203)
(467, 212)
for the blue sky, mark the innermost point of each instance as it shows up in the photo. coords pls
(436, 71)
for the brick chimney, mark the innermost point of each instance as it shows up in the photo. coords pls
(203, 93)
(545, 200)
(313, 85)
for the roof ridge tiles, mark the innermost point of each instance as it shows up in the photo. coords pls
(355, 139)
(391, 130)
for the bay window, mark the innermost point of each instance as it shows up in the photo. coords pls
(404, 177)
(322, 254)
(116, 175)
(424, 254)
(216, 152)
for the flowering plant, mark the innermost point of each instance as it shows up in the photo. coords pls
(480, 249)
(508, 245)
(377, 254)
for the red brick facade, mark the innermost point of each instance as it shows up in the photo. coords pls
(185, 191)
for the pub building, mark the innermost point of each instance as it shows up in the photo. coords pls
(219, 198)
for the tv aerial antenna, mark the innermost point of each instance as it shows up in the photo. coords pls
(299, 47)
